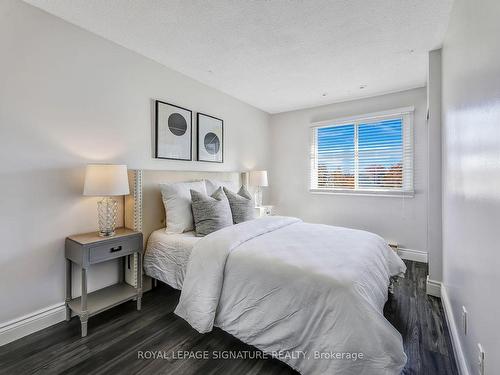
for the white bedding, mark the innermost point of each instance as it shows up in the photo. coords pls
(298, 291)
(167, 256)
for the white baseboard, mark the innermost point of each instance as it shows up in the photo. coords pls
(455, 337)
(433, 287)
(30, 323)
(415, 255)
(40, 319)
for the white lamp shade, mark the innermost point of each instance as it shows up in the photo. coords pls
(258, 178)
(105, 180)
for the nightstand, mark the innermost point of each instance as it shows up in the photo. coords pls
(88, 249)
(264, 211)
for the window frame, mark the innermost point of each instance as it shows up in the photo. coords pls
(406, 114)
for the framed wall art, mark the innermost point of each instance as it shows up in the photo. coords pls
(210, 138)
(173, 132)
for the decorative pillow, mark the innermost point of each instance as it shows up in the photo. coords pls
(210, 213)
(213, 185)
(177, 200)
(242, 205)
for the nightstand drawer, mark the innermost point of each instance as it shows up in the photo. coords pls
(113, 250)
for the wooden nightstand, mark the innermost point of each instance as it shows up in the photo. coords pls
(87, 249)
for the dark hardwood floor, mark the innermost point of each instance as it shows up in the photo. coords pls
(117, 336)
(421, 321)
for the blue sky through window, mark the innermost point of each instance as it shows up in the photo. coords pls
(378, 163)
(336, 148)
(379, 143)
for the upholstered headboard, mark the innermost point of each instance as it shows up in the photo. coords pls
(144, 210)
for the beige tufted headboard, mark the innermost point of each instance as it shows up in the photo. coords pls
(144, 210)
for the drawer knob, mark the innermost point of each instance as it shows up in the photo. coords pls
(115, 249)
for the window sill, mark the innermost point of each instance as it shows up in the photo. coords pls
(369, 193)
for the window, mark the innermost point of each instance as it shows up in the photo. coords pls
(367, 154)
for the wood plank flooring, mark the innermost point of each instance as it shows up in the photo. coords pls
(116, 336)
(421, 321)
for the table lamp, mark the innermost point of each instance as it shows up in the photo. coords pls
(258, 179)
(106, 180)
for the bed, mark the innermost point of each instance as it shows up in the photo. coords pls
(311, 295)
(167, 256)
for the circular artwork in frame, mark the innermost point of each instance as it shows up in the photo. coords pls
(173, 132)
(210, 138)
(211, 143)
(177, 124)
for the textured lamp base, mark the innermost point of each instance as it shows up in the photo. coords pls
(107, 210)
(258, 197)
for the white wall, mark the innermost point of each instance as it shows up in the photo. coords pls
(394, 218)
(69, 97)
(434, 237)
(471, 174)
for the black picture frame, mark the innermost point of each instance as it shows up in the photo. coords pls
(157, 154)
(198, 137)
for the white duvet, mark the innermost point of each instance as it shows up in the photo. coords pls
(306, 293)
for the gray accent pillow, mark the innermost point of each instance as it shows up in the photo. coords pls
(242, 205)
(210, 213)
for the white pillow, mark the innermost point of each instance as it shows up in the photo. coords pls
(177, 200)
(213, 185)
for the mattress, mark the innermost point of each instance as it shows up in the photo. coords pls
(167, 256)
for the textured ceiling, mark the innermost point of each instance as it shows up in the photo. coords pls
(277, 55)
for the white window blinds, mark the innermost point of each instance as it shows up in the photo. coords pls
(371, 154)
